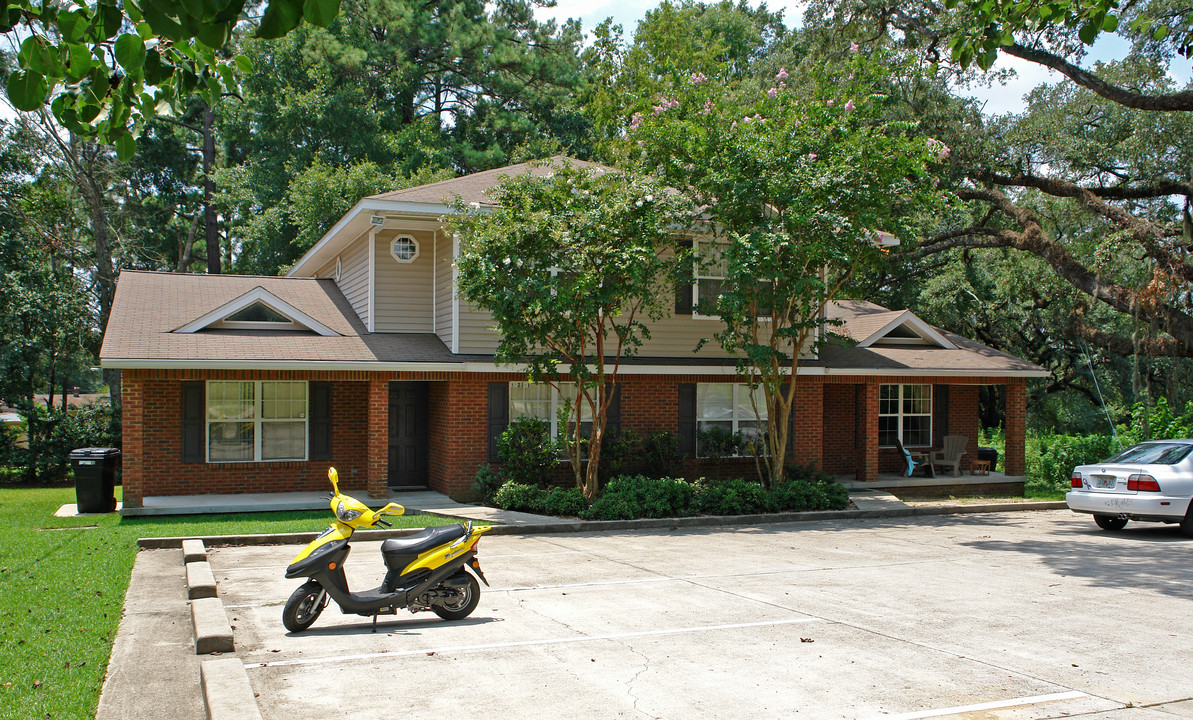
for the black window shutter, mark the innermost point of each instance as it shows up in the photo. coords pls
(194, 408)
(683, 286)
(319, 421)
(940, 414)
(613, 412)
(687, 420)
(499, 415)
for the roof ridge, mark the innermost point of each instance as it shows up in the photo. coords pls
(213, 275)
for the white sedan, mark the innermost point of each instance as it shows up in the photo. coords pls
(1152, 481)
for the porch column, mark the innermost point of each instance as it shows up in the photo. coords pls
(132, 451)
(1015, 462)
(378, 480)
(807, 445)
(868, 410)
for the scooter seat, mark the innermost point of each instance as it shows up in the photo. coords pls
(422, 541)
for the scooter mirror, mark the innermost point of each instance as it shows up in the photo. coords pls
(335, 478)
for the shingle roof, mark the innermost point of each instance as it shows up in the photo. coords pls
(149, 307)
(475, 188)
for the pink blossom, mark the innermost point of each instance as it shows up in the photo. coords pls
(849, 105)
(782, 86)
(707, 108)
(674, 104)
(830, 103)
(942, 151)
(733, 126)
(747, 119)
(853, 48)
(656, 109)
(635, 121)
(811, 156)
(782, 75)
(772, 92)
(697, 78)
(757, 116)
(689, 167)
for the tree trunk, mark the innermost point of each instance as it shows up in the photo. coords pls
(210, 226)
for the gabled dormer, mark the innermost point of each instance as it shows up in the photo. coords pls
(257, 309)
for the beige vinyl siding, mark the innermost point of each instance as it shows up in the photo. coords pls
(443, 256)
(404, 290)
(328, 270)
(354, 276)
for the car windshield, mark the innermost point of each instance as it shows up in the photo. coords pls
(1153, 454)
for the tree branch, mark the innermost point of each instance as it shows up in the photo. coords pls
(1160, 103)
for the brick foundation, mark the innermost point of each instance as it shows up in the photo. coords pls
(834, 426)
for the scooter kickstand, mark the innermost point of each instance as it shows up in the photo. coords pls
(374, 623)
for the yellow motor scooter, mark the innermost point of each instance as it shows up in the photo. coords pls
(425, 571)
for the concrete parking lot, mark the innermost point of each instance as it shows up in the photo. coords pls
(1010, 615)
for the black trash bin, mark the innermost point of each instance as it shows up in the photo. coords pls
(988, 453)
(95, 478)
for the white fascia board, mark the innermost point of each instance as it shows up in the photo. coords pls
(367, 205)
(263, 296)
(918, 326)
(488, 367)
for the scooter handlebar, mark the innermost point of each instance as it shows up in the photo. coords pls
(383, 523)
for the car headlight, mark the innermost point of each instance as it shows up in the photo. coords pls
(343, 514)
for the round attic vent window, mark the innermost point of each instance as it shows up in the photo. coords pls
(404, 249)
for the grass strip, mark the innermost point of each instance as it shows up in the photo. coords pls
(62, 586)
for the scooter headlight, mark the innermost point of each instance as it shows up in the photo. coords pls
(343, 514)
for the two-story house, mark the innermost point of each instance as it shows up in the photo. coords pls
(363, 357)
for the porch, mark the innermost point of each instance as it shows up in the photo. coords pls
(943, 485)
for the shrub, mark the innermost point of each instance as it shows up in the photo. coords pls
(487, 482)
(660, 455)
(643, 497)
(620, 450)
(731, 497)
(528, 451)
(1051, 458)
(807, 488)
(520, 497)
(562, 502)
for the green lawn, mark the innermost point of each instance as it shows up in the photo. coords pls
(62, 585)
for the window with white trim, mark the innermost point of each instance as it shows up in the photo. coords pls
(905, 413)
(404, 249)
(256, 420)
(727, 407)
(710, 270)
(540, 400)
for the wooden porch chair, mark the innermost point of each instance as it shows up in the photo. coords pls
(950, 455)
(914, 460)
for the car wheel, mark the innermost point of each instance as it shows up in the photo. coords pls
(1187, 522)
(1111, 522)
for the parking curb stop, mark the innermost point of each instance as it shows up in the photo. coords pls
(227, 691)
(213, 633)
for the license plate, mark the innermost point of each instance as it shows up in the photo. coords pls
(1104, 482)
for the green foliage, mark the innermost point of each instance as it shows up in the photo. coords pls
(993, 25)
(807, 488)
(564, 502)
(627, 452)
(731, 497)
(1051, 458)
(527, 450)
(560, 502)
(104, 69)
(570, 265)
(635, 496)
(798, 179)
(487, 482)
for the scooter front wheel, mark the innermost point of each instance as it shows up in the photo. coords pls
(304, 606)
(464, 602)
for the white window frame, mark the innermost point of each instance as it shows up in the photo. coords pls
(741, 394)
(412, 239)
(257, 420)
(699, 274)
(900, 414)
(557, 399)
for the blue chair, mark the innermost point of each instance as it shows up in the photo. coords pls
(915, 461)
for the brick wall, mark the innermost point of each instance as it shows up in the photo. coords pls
(152, 446)
(825, 429)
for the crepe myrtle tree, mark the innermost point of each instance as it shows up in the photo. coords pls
(799, 177)
(105, 67)
(570, 266)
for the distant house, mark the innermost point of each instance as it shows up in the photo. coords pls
(363, 357)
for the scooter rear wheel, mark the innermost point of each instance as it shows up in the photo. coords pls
(303, 607)
(463, 604)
